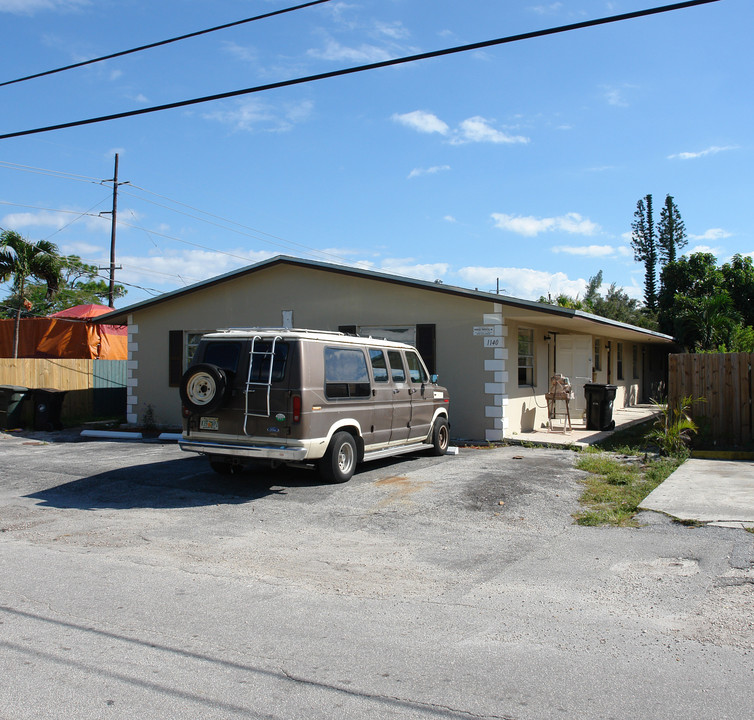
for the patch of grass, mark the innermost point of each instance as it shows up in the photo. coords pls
(616, 485)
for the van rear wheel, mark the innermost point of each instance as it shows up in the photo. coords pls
(339, 462)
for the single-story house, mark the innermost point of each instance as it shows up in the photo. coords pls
(495, 354)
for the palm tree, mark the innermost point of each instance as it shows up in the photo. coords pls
(20, 260)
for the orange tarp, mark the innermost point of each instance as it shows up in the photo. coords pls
(60, 338)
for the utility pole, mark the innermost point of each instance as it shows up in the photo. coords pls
(114, 220)
(112, 235)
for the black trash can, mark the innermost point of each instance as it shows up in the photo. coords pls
(599, 406)
(11, 404)
(48, 404)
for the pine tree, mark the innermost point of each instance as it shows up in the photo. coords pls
(644, 243)
(671, 232)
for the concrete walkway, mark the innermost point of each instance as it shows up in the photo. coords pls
(578, 435)
(718, 492)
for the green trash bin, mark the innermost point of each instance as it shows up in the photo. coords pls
(11, 404)
(48, 405)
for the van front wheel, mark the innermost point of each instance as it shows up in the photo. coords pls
(339, 462)
(440, 436)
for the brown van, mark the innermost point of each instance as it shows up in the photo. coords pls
(307, 396)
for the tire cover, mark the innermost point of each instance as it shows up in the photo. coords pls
(203, 388)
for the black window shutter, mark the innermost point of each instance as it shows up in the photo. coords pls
(175, 357)
(425, 344)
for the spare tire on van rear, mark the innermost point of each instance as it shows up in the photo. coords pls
(204, 388)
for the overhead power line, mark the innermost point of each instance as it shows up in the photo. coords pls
(363, 68)
(163, 42)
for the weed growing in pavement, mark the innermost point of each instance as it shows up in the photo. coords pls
(622, 472)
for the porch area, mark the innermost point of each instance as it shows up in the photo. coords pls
(578, 435)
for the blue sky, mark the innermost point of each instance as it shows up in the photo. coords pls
(519, 164)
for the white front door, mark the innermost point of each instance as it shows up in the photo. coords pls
(573, 358)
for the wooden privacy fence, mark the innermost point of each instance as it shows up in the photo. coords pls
(721, 386)
(94, 388)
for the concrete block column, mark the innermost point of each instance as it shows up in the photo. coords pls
(496, 377)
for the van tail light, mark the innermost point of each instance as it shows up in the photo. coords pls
(185, 412)
(296, 408)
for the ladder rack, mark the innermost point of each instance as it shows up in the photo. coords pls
(257, 357)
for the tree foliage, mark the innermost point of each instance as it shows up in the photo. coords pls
(79, 284)
(615, 304)
(706, 307)
(671, 232)
(644, 243)
(21, 260)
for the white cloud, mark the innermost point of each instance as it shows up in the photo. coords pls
(29, 7)
(703, 249)
(547, 9)
(587, 250)
(422, 122)
(472, 130)
(83, 250)
(530, 226)
(450, 219)
(241, 52)
(418, 172)
(702, 153)
(365, 53)
(523, 283)
(614, 96)
(257, 115)
(394, 30)
(478, 129)
(176, 268)
(409, 268)
(712, 234)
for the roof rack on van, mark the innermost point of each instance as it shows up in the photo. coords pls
(304, 331)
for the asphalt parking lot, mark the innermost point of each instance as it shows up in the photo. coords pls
(138, 582)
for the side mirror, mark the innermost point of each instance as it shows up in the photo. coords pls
(434, 379)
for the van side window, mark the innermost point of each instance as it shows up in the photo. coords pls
(346, 373)
(396, 366)
(379, 366)
(415, 368)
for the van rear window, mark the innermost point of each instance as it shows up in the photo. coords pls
(260, 362)
(223, 354)
(346, 373)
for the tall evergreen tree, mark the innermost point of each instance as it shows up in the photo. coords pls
(671, 232)
(644, 243)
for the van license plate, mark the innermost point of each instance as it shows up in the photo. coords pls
(208, 423)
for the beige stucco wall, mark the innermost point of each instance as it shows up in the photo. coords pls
(321, 300)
